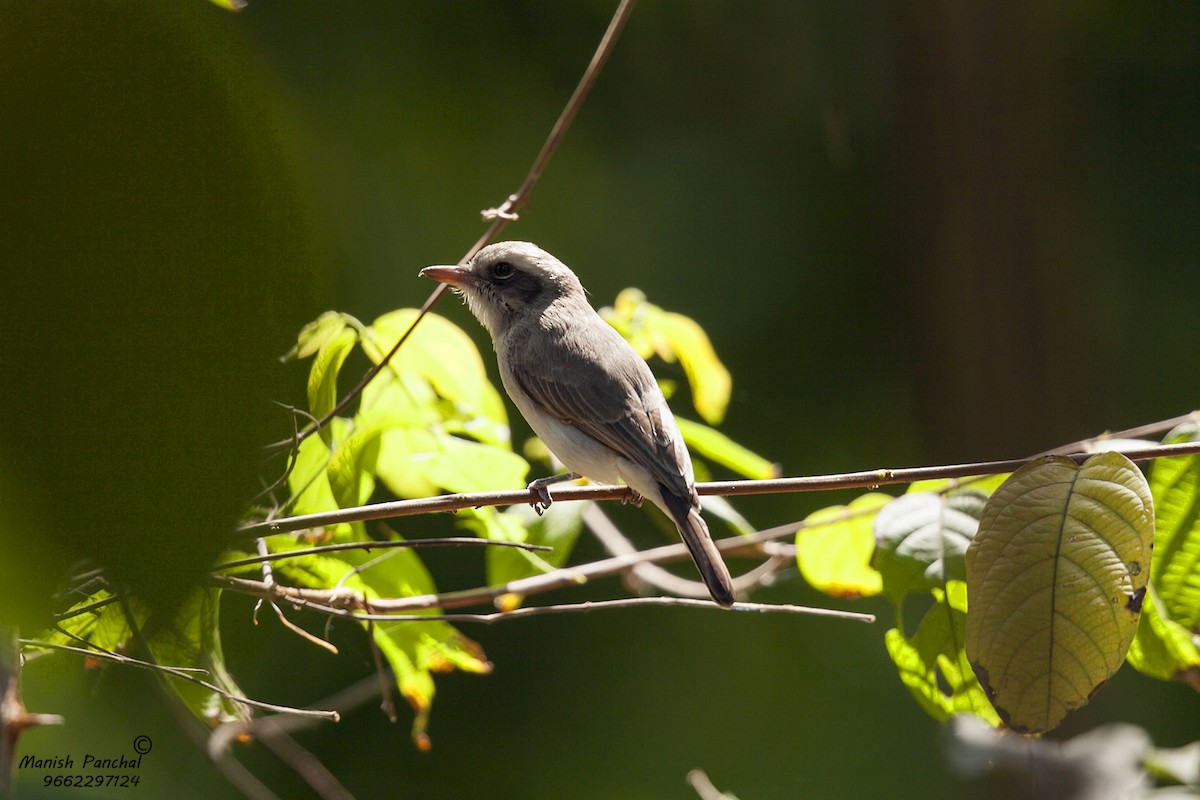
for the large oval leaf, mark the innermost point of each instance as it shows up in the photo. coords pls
(1055, 579)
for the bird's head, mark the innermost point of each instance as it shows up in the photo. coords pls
(508, 281)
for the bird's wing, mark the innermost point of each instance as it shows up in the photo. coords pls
(613, 398)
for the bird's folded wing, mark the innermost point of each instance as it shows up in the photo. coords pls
(615, 402)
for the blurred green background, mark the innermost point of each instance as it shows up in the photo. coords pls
(917, 233)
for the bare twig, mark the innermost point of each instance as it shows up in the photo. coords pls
(182, 673)
(451, 541)
(815, 483)
(374, 610)
(536, 584)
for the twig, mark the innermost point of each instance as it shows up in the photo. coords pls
(337, 606)
(179, 672)
(499, 217)
(560, 578)
(815, 483)
(451, 541)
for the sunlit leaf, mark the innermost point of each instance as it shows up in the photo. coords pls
(1056, 577)
(932, 663)
(442, 353)
(417, 463)
(96, 620)
(1175, 570)
(833, 549)
(650, 329)
(309, 479)
(413, 649)
(323, 375)
(317, 334)
(677, 336)
(1163, 648)
(921, 539)
(351, 470)
(720, 449)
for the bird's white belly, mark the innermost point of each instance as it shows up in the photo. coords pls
(578, 451)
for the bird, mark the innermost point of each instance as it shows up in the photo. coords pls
(583, 389)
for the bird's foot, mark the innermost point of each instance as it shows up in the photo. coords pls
(634, 498)
(542, 488)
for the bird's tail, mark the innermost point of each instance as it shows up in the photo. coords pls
(699, 543)
(708, 558)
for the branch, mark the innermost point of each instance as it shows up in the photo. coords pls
(536, 584)
(451, 541)
(372, 610)
(179, 672)
(506, 213)
(849, 480)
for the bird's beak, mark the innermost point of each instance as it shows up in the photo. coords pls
(455, 276)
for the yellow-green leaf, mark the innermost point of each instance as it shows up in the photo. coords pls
(833, 549)
(318, 333)
(932, 663)
(1163, 648)
(677, 336)
(323, 376)
(719, 448)
(1175, 570)
(1056, 577)
(442, 353)
(417, 463)
(650, 329)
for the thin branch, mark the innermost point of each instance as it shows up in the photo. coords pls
(536, 584)
(816, 483)
(338, 607)
(499, 217)
(450, 541)
(179, 672)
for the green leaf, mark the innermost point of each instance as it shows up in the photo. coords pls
(1163, 648)
(921, 539)
(717, 447)
(558, 527)
(318, 333)
(442, 353)
(323, 376)
(677, 336)
(1175, 569)
(1056, 579)
(414, 650)
(190, 639)
(193, 639)
(416, 462)
(833, 549)
(105, 626)
(932, 663)
(650, 329)
(351, 470)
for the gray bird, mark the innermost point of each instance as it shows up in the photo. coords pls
(581, 387)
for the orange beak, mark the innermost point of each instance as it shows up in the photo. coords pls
(455, 276)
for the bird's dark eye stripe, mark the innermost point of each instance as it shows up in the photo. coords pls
(503, 270)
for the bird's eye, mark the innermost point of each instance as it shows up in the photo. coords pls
(503, 271)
